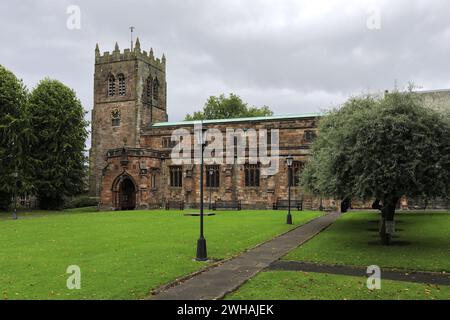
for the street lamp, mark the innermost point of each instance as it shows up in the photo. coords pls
(201, 242)
(211, 173)
(15, 175)
(289, 161)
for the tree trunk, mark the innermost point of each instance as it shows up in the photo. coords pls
(387, 219)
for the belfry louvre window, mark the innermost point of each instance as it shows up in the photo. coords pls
(294, 175)
(122, 86)
(252, 174)
(149, 88)
(212, 180)
(176, 176)
(111, 86)
(155, 89)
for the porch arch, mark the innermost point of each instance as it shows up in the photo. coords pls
(124, 191)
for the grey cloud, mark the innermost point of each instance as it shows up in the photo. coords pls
(295, 56)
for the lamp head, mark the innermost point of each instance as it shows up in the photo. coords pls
(289, 160)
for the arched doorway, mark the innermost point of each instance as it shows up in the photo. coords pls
(127, 194)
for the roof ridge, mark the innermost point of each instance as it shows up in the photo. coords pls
(263, 118)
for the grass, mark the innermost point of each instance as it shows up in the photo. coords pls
(122, 255)
(352, 240)
(23, 213)
(292, 285)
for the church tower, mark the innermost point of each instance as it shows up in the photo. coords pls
(129, 95)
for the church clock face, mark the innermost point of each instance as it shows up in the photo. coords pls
(115, 113)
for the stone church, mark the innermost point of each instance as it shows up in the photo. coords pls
(130, 158)
(130, 162)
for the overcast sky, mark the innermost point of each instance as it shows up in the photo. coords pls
(294, 56)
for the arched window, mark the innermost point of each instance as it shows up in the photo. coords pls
(111, 86)
(155, 89)
(149, 88)
(122, 87)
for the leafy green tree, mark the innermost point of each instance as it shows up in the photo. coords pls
(381, 148)
(222, 107)
(15, 137)
(57, 118)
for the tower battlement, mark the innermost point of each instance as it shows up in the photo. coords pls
(128, 54)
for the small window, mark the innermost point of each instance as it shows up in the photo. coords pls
(116, 122)
(111, 86)
(252, 174)
(309, 136)
(294, 175)
(122, 86)
(176, 176)
(153, 181)
(212, 180)
(168, 143)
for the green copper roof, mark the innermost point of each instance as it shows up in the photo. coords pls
(268, 118)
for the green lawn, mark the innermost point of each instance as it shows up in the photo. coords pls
(292, 285)
(122, 255)
(348, 241)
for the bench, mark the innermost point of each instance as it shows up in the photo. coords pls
(178, 205)
(284, 204)
(236, 205)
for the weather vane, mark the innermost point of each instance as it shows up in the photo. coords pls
(131, 29)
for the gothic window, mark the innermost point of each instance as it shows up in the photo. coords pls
(111, 86)
(212, 180)
(294, 175)
(155, 89)
(115, 118)
(176, 176)
(149, 85)
(122, 86)
(252, 173)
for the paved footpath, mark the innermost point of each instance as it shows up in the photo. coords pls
(216, 282)
(388, 274)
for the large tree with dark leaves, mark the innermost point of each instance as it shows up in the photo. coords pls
(57, 118)
(223, 107)
(15, 137)
(381, 148)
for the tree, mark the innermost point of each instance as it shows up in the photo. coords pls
(222, 107)
(381, 148)
(57, 118)
(15, 137)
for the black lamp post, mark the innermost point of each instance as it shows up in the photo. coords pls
(201, 242)
(15, 175)
(289, 161)
(211, 173)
